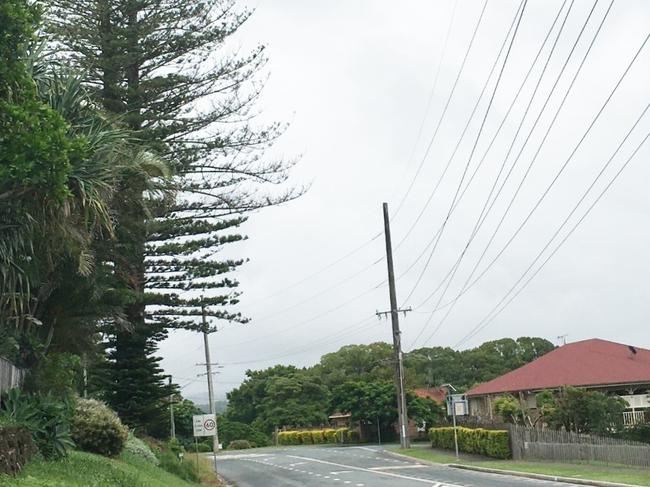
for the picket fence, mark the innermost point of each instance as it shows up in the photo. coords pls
(543, 444)
(10, 375)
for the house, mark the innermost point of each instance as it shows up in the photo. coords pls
(595, 364)
(437, 394)
(340, 420)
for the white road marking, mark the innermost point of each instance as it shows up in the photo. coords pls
(377, 472)
(397, 467)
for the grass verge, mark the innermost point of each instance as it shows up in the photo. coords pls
(588, 471)
(87, 470)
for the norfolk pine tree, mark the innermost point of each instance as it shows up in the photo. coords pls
(161, 66)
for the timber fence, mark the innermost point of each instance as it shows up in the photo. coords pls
(542, 444)
(10, 375)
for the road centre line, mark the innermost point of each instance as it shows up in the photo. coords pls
(377, 472)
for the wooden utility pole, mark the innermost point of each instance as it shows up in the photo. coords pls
(208, 369)
(171, 410)
(397, 342)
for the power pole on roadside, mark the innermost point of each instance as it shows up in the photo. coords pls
(171, 410)
(208, 368)
(397, 341)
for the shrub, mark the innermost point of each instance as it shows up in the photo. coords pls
(353, 436)
(97, 429)
(46, 418)
(140, 449)
(239, 445)
(172, 464)
(305, 437)
(317, 437)
(342, 435)
(330, 436)
(491, 443)
(16, 448)
(233, 430)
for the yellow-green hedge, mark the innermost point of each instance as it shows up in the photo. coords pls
(491, 443)
(316, 437)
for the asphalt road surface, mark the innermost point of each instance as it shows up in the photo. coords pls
(350, 466)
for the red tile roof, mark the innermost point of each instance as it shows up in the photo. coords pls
(437, 395)
(592, 362)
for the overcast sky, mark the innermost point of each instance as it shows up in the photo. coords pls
(354, 78)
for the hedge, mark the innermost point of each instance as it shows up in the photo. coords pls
(490, 443)
(16, 448)
(317, 437)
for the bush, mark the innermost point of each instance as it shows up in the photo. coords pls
(97, 429)
(16, 448)
(342, 435)
(639, 432)
(230, 431)
(353, 436)
(239, 445)
(172, 464)
(306, 438)
(330, 436)
(46, 418)
(317, 437)
(140, 449)
(491, 443)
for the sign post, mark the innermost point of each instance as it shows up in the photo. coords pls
(205, 425)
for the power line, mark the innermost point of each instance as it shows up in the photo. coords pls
(320, 271)
(539, 81)
(463, 133)
(446, 106)
(313, 318)
(471, 155)
(467, 283)
(357, 327)
(495, 310)
(559, 173)
(428, 105)
(489, 147)
(484, 213)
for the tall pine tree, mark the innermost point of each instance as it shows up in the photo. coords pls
(162, 66)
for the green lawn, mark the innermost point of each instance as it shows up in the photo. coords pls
(88, 470)
(591, 471)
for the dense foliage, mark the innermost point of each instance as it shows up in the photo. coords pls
(316, 437)
(129, 155)
(466, 368)
(490, 443)
(581, 410)
(161, 67)
(359, 379)
(97, 429)
(46, 417)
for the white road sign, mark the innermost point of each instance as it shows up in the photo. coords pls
(205, 425)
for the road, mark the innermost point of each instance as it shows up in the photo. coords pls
(350, 466)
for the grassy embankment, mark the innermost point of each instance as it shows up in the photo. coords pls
(588, 471)
(88, 470)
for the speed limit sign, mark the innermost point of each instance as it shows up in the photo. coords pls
(205, 425)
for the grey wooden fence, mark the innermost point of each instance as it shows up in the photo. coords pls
(10, 375)
(542, 444)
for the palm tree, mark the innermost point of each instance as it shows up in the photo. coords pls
(45, 241)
